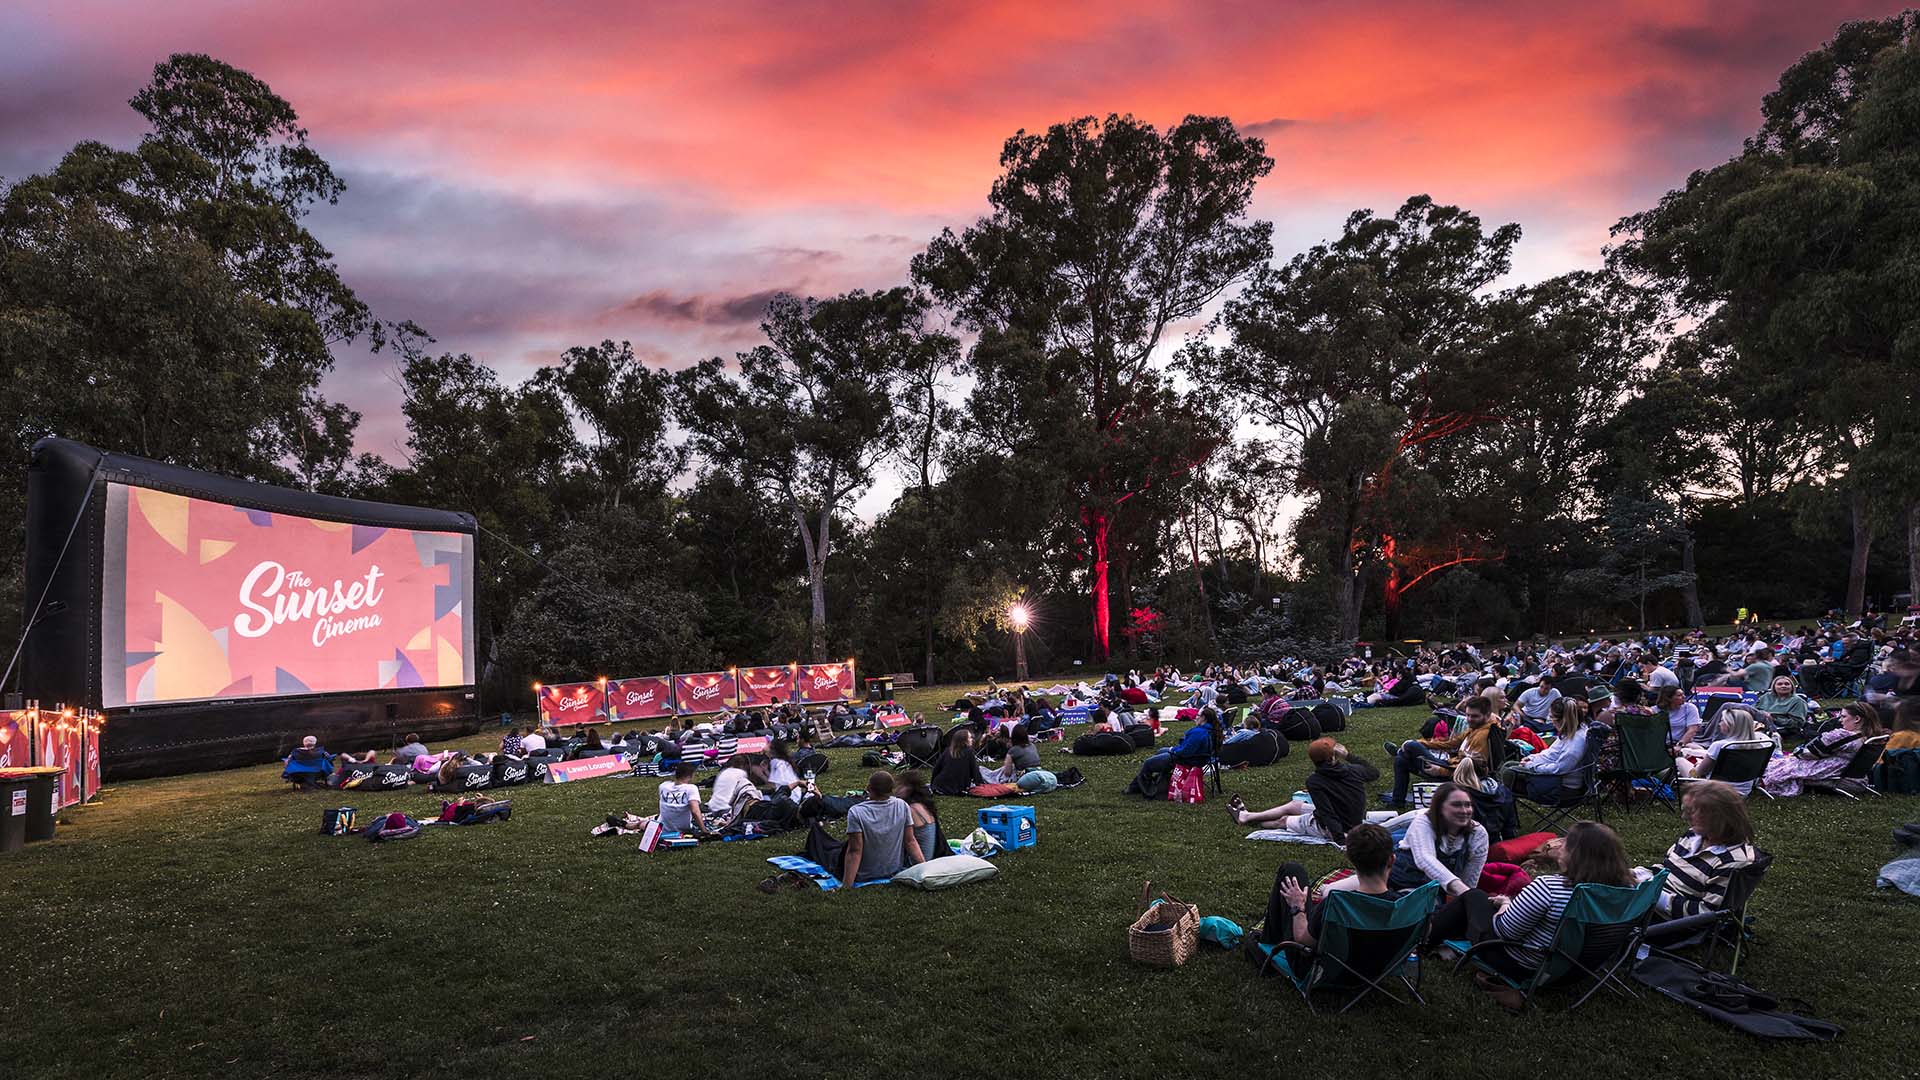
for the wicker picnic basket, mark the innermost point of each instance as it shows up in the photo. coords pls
(1166, 933)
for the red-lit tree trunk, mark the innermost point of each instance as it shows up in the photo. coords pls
(1097, 525)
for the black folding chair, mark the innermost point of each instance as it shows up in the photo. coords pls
(1730, 926)
(1734, 766)
(1567, 800)
(1853, 780)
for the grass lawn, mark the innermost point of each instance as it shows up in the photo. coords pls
(199, 925)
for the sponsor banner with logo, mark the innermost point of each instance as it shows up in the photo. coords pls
(751, 744)
(647, 698)
(91, 770)
(825, 682)
(203, 600)
(572, 703)
(763, 686)
(705, 692)
(16, 750)
(892, 720)
(592, 768)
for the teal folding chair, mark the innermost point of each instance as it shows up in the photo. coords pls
(1600, 931)
(1365, 941)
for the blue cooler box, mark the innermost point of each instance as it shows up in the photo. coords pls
(1011, 825)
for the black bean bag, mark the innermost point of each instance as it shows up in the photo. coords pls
(376, 777)
(1330, 717)
(1102, 744)
(1141, 734)
(465, 778)
(815, 763)
(1264, 748)
(1298, 725)
(509, 771)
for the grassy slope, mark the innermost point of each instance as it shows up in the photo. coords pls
(199, 925)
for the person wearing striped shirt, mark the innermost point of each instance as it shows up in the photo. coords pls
(1591, 854)
(1718, 844)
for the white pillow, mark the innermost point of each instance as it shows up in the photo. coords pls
(946, 872)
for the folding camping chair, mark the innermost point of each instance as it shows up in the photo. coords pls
(1853, 780)
(1587, 791)
(1355, 927)
(1714, 928)
(1741, 766)
(1598, 934)
(1644, 755)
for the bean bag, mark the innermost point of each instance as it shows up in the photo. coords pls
(946, 872)
(376, 777)
(509, 771)
(1101, 744)
(1330, 717)
(465, 778)
(1298, 725)
(1262, 748)
(1037, 782)
(993, 791)
(1141, 734)
(815, 763)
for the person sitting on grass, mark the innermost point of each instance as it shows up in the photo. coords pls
(1337, 794)
(680, 802)
(733, 788)
(912, 789)
(957, 768)
(1739, 729)
(410, 750)
(1824, 756)
(880, 836)
(1717, 844)
(1445, 844)
(1783, 706)
(1591, 854)
(1542, 776)
(1294, 915)
(1437, 757)
(1196, 747)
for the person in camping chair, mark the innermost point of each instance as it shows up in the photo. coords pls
(1196, 747)
(1293, 914)
(1436, 758)
(307, 766)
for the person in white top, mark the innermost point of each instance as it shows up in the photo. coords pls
(1655, 675)
(680, 801)
(1741, 731)
(533, 742)
(1537, 702)
(732, 782)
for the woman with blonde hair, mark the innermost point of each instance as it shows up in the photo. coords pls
(1542, 776)
(1739, 730)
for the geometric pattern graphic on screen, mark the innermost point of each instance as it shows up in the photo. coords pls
(222, 601)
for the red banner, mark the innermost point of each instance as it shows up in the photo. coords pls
(826, 682)
(708, 691)
(16, 751)
(572, 703)
(91, 771)
(645, 698)
(763, 686)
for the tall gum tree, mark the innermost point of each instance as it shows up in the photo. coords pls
(1103, 235)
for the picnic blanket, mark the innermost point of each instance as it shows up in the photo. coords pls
(816, 873)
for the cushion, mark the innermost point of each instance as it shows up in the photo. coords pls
(946, 872)
(1518, 849)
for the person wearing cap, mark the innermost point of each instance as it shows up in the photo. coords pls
(1600, 698)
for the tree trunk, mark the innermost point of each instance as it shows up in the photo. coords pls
(1862, 542)
(1690, 592)
(1913, 553)
(1199, 582)
(816, 554)
(1097, 525)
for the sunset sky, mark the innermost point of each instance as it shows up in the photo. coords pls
(526, 177)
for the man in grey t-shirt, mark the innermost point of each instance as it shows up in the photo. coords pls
(880, 840)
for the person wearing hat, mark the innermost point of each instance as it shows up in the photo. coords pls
(1599, 698)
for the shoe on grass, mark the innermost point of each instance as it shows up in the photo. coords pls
(1393, 749)
(1387, 799)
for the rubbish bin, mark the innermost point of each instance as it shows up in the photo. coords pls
(40, 808)
(880, 688)
(13, 812)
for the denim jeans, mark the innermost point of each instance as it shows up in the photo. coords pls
(1409, 762)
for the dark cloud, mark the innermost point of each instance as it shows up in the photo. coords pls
(1269, 128)
(721, 311)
